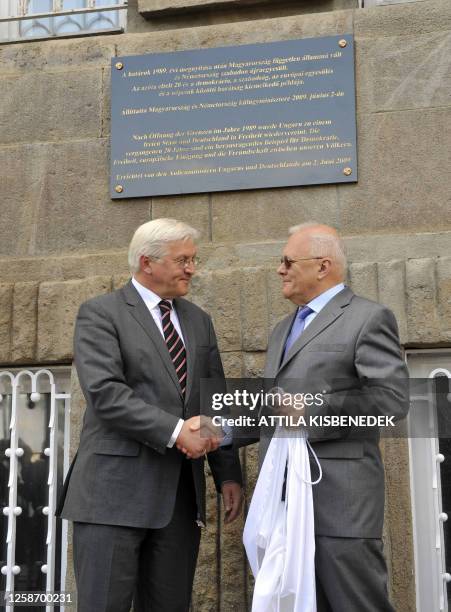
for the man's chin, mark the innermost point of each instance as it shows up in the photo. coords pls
(183, 287)
(286, 292)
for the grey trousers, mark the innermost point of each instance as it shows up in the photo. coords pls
(153, 567)
(351, 575)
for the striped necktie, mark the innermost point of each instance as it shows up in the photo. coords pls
(175, 345)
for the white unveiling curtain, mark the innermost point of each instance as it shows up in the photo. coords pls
(279, 535)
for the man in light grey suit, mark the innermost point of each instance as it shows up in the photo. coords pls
(346, 348)
(137, 501)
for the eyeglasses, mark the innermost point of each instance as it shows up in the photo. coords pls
(287, 262)
(185, 262)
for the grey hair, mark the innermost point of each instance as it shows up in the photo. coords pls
(323, 244)
(152, 238)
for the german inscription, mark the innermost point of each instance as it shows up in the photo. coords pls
(253, 116)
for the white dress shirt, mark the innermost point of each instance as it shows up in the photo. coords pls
(318, 303)
(152, 300)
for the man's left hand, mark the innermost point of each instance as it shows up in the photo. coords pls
(232, 496)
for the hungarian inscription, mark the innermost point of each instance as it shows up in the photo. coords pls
(253, 116)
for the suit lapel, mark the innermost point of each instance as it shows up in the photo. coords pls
(190, 343)
(332, 311)
(275, 357)
(140, 312)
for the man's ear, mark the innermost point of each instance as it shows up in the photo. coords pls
(325, 267)
(145, 264)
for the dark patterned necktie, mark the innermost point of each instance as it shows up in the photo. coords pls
(175, 345)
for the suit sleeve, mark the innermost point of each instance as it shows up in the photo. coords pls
(101, 374)
(381, 374)
(224, 462)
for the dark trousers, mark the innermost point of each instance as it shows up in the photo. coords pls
(351, 575)
(153, 567)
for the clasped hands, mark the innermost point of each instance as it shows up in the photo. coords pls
(198, 437)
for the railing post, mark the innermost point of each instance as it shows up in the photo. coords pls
(14, 452)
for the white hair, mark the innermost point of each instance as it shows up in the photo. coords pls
(152, 238)
(322, 244)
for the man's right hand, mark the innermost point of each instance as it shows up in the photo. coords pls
(192, 439)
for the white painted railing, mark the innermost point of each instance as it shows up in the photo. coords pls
(440, 517)
(36, 385)
(37, 19)
(23, 11)
(426, 457)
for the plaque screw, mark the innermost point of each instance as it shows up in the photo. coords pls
(119, 189)
(341, 43)
(347, 171)
(119, 65)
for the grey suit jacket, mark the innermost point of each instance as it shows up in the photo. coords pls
(351, 354)
(123, 473)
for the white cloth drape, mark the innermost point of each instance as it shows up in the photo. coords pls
(279, 535)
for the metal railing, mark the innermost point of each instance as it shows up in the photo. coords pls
(22, 21)
(429, 514)
(36, 387)
(59, 11)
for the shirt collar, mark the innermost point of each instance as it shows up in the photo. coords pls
(150, 298)
(318, 303)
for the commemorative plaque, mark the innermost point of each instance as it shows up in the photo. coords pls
(253, 116)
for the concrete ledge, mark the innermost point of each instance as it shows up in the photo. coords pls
(364, 247)
(157, 8)
(152, 8)
(162, 8)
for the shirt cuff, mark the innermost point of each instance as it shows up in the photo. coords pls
(175, 433)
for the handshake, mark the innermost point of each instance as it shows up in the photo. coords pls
(198, 437)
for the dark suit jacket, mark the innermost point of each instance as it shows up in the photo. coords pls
(123, 473)
(351, 354)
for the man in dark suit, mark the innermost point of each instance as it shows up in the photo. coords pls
(137, 501)
(347, 349)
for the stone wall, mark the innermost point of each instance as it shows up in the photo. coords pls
(153, 15)
(244, 300)
(63, 240)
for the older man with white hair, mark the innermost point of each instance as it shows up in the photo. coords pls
(345, 349)
(136, 489)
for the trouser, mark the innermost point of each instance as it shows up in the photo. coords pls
(153, 567)
(351, 575)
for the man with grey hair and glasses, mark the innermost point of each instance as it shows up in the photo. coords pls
(136, 489)
(346, 348)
